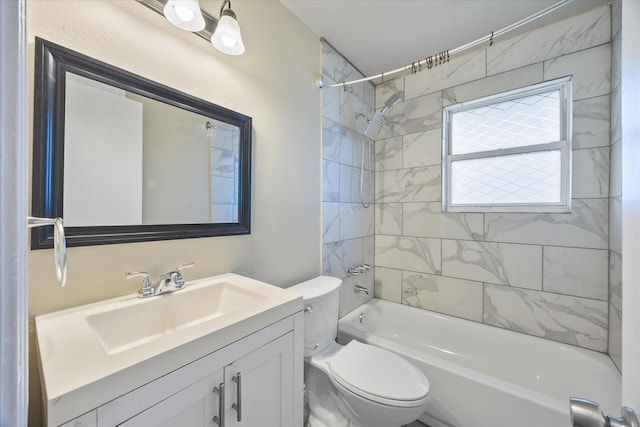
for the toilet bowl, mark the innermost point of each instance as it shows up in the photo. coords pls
(356, 384)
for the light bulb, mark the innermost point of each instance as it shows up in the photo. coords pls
(183, 13)
(228, 41)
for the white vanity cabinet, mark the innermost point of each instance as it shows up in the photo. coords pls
(225, 351)
(267, 393)
(255, 390)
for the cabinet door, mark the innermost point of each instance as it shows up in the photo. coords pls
(194, 406)
(263, 395)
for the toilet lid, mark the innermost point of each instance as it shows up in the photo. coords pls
(378, 374)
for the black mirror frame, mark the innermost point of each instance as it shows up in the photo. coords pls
(51, 64)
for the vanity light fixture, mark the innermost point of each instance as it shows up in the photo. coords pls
(223, 33)
(227, 37)
(184, 14)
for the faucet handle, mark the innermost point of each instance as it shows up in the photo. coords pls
(183, 266)
(147, 288)
(179, 281)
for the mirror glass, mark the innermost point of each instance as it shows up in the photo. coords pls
(124, 159)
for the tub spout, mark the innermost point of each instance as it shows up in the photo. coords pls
(360, 289)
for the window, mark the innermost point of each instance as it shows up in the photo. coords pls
(509, 152)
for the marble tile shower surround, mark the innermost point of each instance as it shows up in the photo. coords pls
(615, 194)
(348, 227)
(542, 274)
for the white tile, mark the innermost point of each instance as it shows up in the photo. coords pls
(388, 284)
(591, 122)
(387, 89)
(353, 254)
(615, 280)
(330, 181)
(577, 272)
(576, 33)
(349, 105)
(459, 69)
(350, 148)
(499, 263)
(616, 60)
(389, 154)
(615, 224)
(350, 184)
(332, 256)
(428, 220)
(422, 149)
(369, 250)
(355, 220)
(616, 114)
(590, 172)
(615, 336)
(409, 185)
(492, 85)
(369, 94)
(349, 299)
(586, 226)
(331, 136)
(408, 253)
(615, 185)
(591, 71)
(571, 320)
(388, 218)
(330, 102)
(414, 115)
(455, 297)
(330, 222)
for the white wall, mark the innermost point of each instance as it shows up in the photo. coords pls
(629, 113)
(273, 82)
(13, 212)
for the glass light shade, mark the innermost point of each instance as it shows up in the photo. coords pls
(184, 14)
(227, 37)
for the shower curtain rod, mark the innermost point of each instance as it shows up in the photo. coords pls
(444, 56)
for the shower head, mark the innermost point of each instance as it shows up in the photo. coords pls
(378, 121)
(393, 100)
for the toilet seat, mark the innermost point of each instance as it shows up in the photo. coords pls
(378, 375)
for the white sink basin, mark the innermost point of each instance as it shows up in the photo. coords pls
(90, 353)
(128, 325)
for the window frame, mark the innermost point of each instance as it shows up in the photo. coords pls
(562, 84)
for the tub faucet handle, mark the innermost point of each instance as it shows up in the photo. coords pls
(354, 271)
(585, 413)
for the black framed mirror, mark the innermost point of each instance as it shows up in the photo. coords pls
(124, 159)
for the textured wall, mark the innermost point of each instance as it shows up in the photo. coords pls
(347, 236)
(273, 82)
(541, 274)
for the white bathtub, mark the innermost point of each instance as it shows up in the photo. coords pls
(483, 376)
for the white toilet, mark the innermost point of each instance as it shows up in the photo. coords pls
(356, 385)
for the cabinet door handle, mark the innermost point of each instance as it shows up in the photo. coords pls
(219, 419)
(238, 407)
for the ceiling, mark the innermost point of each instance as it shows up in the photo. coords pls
(382, 35)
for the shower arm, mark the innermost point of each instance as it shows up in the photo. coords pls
(59, 244)
(489, 38)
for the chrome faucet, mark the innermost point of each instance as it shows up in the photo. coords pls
(585, 413)
(169, 282)
(360, 289)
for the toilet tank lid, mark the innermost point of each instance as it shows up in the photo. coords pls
(316, 288)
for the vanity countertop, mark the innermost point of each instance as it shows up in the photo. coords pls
(86, 368)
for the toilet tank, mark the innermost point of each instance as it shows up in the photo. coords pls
(321, 302)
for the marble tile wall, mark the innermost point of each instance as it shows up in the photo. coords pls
(549, 275)
(615, 195)
(348, 227)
